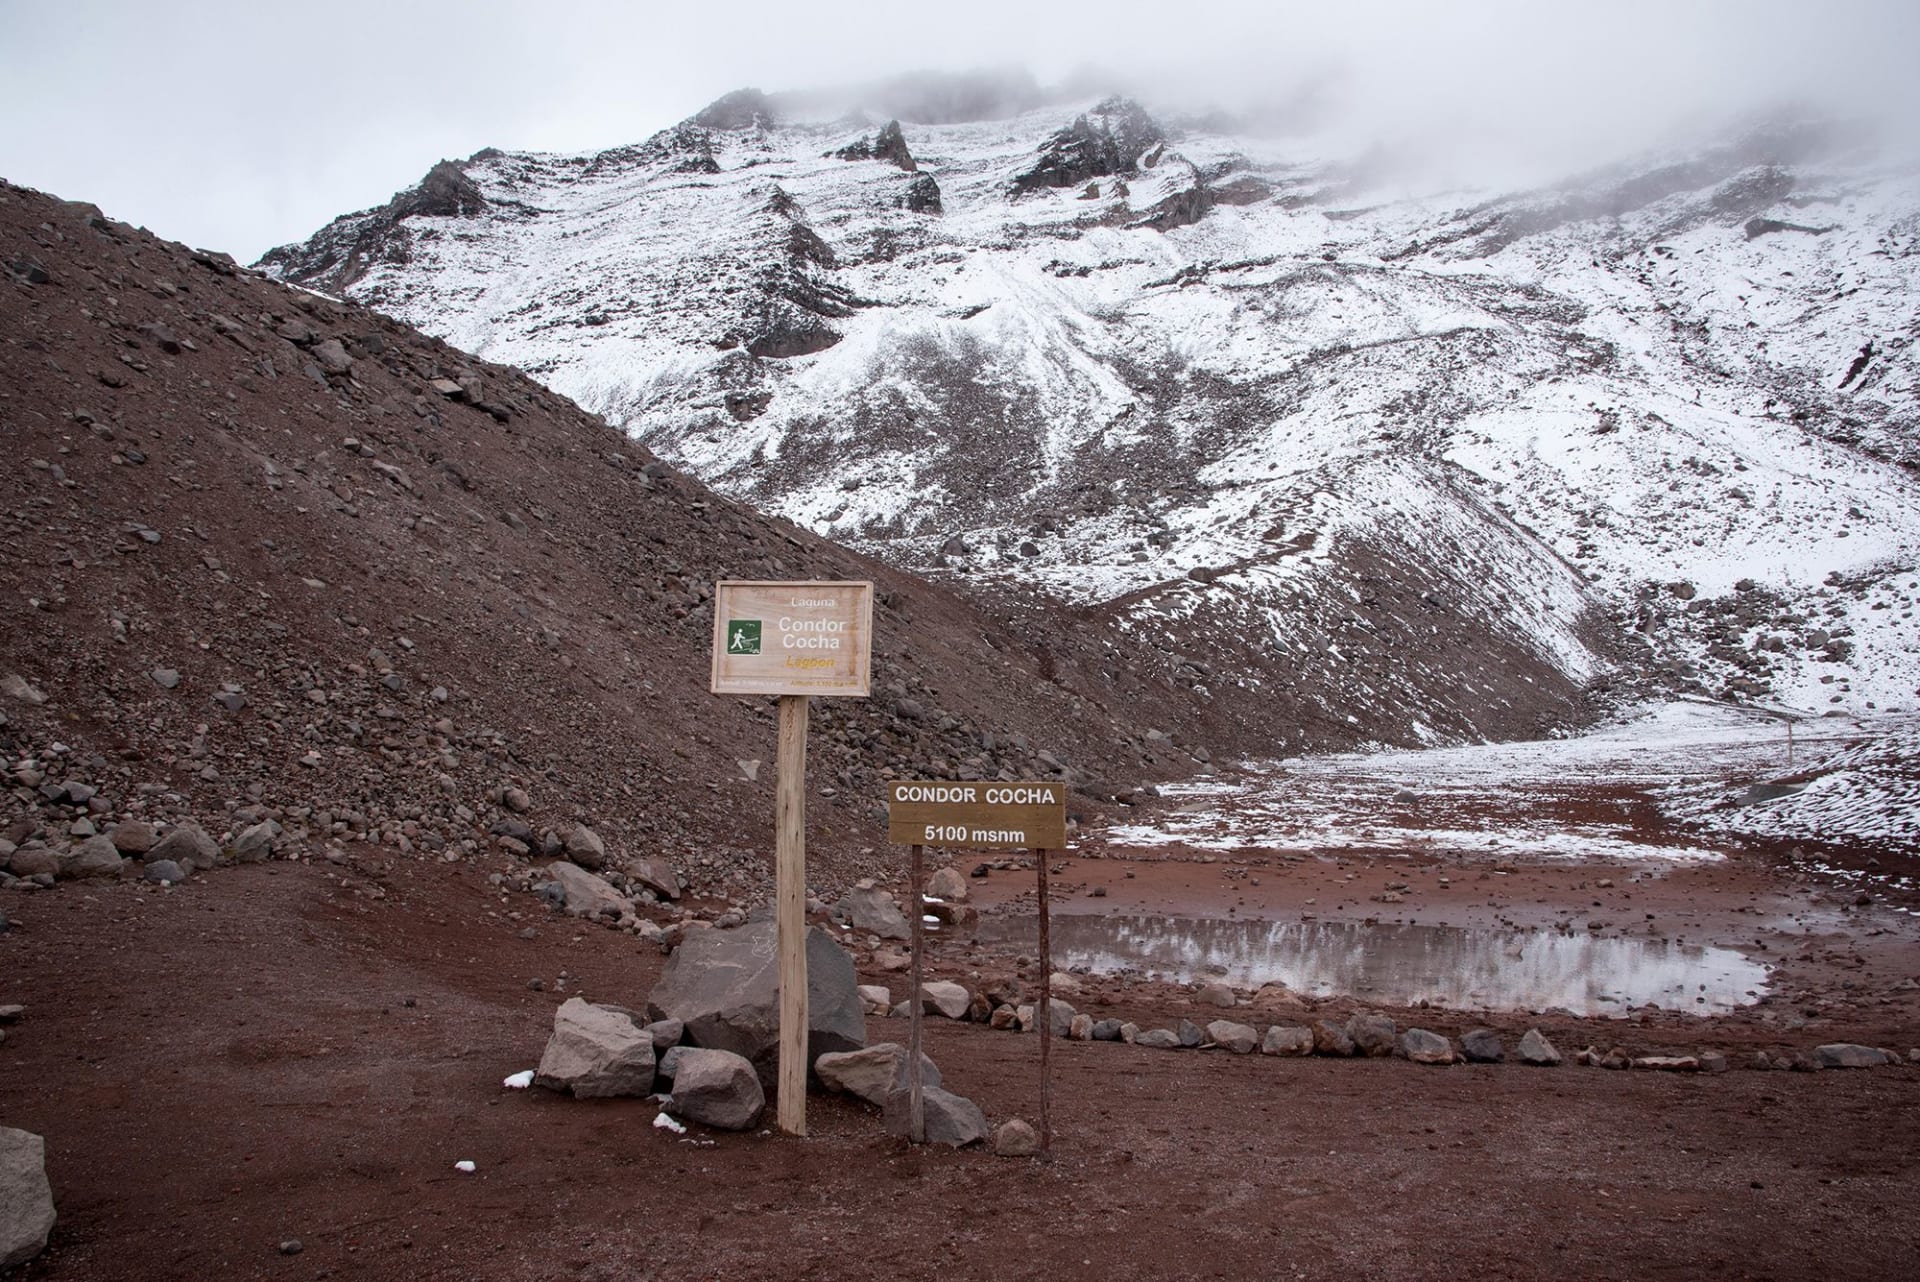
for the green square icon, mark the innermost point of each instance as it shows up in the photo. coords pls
(743, 636)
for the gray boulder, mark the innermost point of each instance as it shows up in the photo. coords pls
(950, 1118)
(582, 894)
(1191, 1034)
(1331, 1039)
(716, 1088)
(255, 843)
(34, 861)
(1105, 1030)
(944, 998)
(585, 848)
(132, 837)
(1287, 1040)
(949, 885)
(873, 1072)
(1238, 1038)
(1015, 1138)
(1160, 1039)
(164, 870)
(872, 910)
(26, 1197)
(1372, 1034)
(1535, 1049)
(1217, 994)
(1482, 1046)
(724, 986)
(94, 857)
(1423, 1047)
(596, 1052)
(656, 875)
(188, 845)
(1848, 1055)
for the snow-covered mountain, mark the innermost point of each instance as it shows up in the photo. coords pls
(1377, 465)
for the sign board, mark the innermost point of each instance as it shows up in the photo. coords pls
(978, 814)
(792, 638)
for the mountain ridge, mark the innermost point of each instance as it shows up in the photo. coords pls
(1112, 387)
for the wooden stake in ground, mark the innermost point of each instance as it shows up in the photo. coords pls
(916, 1086)
(790, 909)
(1045, 1013)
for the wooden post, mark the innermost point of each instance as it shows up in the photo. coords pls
(790, 910)
(1045, 1011)
(916, 1087)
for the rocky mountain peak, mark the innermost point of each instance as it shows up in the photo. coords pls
(1108, 140)
(741, 109)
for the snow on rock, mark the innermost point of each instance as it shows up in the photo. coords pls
(1431, 462)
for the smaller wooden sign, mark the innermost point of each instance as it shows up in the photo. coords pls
(792, 638)
(977, 814)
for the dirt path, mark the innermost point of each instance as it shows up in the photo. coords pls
(275, 1053)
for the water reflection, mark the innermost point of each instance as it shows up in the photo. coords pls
(1400, 965)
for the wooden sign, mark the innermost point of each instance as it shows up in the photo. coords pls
(977, 814)
(792, 638)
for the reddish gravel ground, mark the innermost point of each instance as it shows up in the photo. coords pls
(303, 1051)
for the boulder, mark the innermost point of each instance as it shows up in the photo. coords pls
(1060, 1017)
(656, 875)
(950, 1118)
(1105, 1030)
(1848, 1055)
(949, 885)
(1238, 1038)
(595, 1052)
(1423, 1047)
(1081, 1029)
(1015, 1138)
(1482, 1046)
(1331, 1039)
(1160, 1039)
(716, 1088)
(188, 845)
(1220, 995)
(944, 998)
(132, 837)
(94, 857)
(585, 848)
(1535, 1049)
(1287, 1040)
(666, 1034)
(581, 893)
(873, 1072)
(164, 871)
(1667, 1063)
(1191, 1034)
(34, 861)
(26, 1197)
(724, 985)
(1373, 1034)
(255, 843)
(873, 911)
(875, 998)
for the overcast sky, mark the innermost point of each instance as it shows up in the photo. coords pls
(242, 124)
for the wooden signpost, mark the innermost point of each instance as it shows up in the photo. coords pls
(794, 640)
(976, 815)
